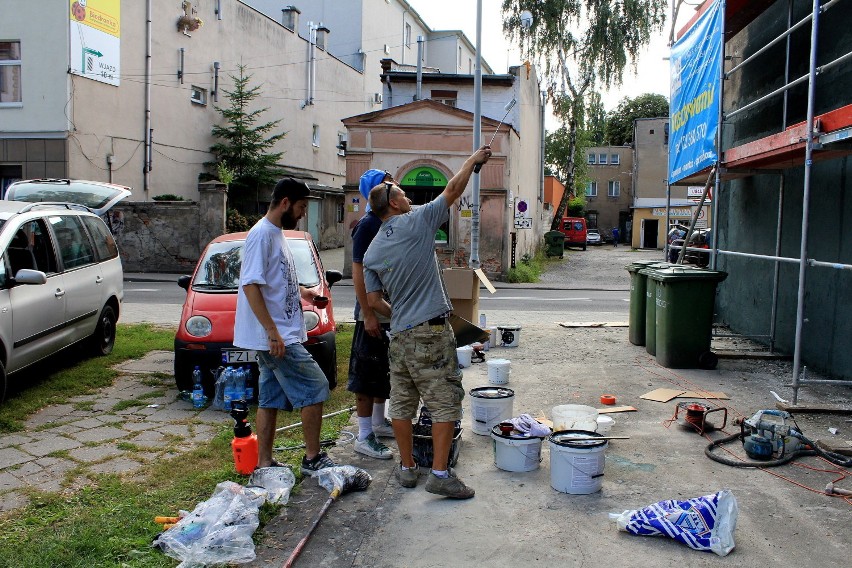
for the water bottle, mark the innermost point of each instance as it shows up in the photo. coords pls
(239, 384)
(228, 396)
(198, 398)
(248, 383)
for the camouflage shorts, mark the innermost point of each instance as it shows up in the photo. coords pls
(424, 364)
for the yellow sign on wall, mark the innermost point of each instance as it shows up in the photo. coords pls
(95, 40)
(103, 15)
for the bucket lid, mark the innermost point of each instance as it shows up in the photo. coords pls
(498, 362)
(567, 439)
(680, 272)
(492, 392)
(495, 431)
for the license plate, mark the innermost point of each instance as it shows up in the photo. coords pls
(239, 356)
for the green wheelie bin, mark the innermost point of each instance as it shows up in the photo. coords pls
(554, 242)
(638, 286)
(651, 306)
(685, 298)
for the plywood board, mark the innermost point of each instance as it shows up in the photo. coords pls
(662, 395)
(570, 324)
(707, 395)
(611, 409)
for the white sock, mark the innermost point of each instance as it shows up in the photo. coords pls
(443, 474)
(378, 413)
(365, 427)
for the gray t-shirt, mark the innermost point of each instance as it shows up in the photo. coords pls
(402, 261)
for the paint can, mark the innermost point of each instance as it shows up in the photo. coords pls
(488, 407)
(577, 465)
(492, 336)
(515, 452)
(604, 423)
(510, 335)
(465, 355)
(498, 371)
(574, 417)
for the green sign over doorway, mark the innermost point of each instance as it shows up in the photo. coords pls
(424, 177)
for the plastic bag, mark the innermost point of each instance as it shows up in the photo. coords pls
(343, 478)
(219, 380)
(275, 483)
(217, 531)
(528, 425)
(704, 523)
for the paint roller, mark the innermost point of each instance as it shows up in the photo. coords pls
(508, 109)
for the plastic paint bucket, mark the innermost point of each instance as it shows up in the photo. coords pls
(510, 335)
(515, 452)
(488, 407)
(604, 423)
(576, 466)
(498, 371)
(465, 355)
(574, 417)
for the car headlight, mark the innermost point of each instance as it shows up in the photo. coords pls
(198, 326)
(311, 319)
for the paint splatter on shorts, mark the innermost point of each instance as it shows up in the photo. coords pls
(424, 364)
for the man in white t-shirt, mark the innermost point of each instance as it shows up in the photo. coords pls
(269, 320)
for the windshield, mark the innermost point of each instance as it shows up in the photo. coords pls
(220, 267)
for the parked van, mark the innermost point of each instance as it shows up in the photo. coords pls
(574, 229)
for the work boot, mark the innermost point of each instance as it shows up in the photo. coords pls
(407, 477)
(451, 486)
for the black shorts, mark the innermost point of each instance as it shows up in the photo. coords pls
(369, 373)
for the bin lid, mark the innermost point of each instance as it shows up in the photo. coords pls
(492, 392)
(672, 273)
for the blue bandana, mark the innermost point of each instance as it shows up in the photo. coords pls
(369, 180)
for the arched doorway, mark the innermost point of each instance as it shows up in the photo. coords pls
(422, 184)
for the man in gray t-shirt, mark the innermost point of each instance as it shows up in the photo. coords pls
(401, 260)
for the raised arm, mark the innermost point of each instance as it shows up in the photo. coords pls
(456, 185)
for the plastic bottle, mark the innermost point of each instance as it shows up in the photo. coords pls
(244, 444)
(248, 384)
(198, 398)
(239, 384)
(228, 396)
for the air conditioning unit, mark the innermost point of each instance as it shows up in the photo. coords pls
(377, 98)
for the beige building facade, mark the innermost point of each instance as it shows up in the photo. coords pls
(609, 191)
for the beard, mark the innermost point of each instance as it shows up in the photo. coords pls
(288, 221)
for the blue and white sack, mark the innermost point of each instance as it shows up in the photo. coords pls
(704, 523)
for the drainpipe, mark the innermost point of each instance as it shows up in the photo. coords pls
(389, 103)
(543, 143)
(419, 94)
(146, 169)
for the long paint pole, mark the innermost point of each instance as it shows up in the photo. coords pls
(477, 140)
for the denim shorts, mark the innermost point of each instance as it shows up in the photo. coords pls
(294, 381)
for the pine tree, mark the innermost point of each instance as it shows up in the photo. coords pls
(244, 145)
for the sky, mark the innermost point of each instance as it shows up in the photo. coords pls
(651, 75)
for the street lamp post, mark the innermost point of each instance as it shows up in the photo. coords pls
(477, 140)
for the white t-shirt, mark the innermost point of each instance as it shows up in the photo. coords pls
(267, 261)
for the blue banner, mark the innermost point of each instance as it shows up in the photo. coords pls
(696, 64)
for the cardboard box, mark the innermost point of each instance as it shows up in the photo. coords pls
(463, 287)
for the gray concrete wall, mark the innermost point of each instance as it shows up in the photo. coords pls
(168, 236)
(748, 207)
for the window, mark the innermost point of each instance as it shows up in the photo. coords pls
(75, 249)
(614, 159)
(613, 189)
(666, 134)
(8, 175)
(591, 189)
(592, 159)
(408, 36)
(341, 143)
(32, 248)
(10, 73)
(448, 98)
(198, 95)
(315, 136)
(602, 158)
(104, 243)
(592, 219)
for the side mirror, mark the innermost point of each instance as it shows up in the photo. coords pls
(183, 282)
(332, 276)
(29, 276)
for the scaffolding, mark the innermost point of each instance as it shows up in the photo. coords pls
(819, 137)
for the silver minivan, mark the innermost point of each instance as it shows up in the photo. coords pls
(61, 280)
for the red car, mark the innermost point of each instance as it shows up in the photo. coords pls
(206, 332)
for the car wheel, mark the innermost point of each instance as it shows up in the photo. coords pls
(103, 340)
(584, 247)
(183, 374)
(2, 382)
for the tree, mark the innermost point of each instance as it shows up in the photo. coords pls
(244, 145)
(583, 44)
(619, 123)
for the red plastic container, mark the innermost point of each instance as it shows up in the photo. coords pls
(245, 453)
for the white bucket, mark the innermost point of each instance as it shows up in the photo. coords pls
(576, 467)
(510, 335)
(574, 417)
(515, 452)
(489, 406)
(465, 355)
(604, 423)
(492, 336)
(498, 371)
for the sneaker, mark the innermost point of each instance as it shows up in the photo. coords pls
(370, 446)
(451, 487)
(321, 461)
(407, 477)
(383, 430)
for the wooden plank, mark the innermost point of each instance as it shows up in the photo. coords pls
(762, 355)
(594, 324)
(707, 395)
(662, 395)
(842, 447)
(611, 409)
(812, 408)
